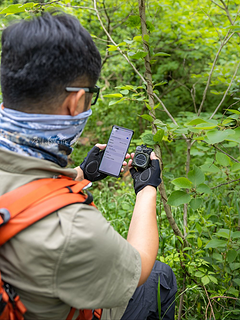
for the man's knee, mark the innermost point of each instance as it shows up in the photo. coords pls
(144, 303)
(168, 288)
(167, 273)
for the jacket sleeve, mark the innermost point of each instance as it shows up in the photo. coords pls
(97, 268)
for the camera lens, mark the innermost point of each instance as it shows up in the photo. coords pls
(140, 159)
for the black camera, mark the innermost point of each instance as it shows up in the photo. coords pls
(142, 157)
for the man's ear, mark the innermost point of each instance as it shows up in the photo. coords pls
(74, 103)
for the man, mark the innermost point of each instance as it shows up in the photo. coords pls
(73, 257)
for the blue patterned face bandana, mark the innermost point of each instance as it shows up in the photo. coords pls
(42, 136)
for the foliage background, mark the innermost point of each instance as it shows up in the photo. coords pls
(192, 49)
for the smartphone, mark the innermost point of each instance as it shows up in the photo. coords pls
(115, 151)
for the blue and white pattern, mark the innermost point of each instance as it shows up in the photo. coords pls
(42, 136)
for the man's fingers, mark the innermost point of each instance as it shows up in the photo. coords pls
(130, 163)
(153, 156)
(101, 146)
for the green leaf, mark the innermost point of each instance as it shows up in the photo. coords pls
(121, 44)
(115, 102)
(17, 8)
(124, 91)
(112, 48)
(128, 41)
(199, 274)
(233, 111)
(205, 280)
(231, 255)
(159, 123)
(194, 122)
(138, 38)
(113, 95)
(227, 121)
(156, 106)
(181, 131)
(216, 243)
(187, 248)
(160, 84)
(134, 21)
(148, 106)
(161, 54)
(234, 28)
(218, 256)
(234, 266)
(224, 233)
(210, 167)
(141, 99)
(148, 139)
(150, 26)
(178, 197)
(222, 159)
(235, 167)
(216, 92)
(180, 239)
(196, 176)
(216, 136)
(199, 242)
(182, 182)
(232, 290)
(235, 136)
(147, 117)
(206, 126)
(236, 235)
(203, 188)
(158, 135)
(127, 87)
(146, 38)
(237, 281)
(137, 55)
(213, 279)
(196, 203)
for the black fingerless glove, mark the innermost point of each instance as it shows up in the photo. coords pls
(147, 177)
(91, 163)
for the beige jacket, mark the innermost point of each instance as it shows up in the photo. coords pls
(73, 257)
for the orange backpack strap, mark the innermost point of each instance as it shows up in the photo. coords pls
(97, 314)
(26, 205)
(29, 203)
(13, 308)
(86, 314)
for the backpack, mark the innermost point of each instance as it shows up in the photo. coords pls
(26, 205)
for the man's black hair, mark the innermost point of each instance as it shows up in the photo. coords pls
(42, 56)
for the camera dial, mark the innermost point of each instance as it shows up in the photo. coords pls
(142, 157)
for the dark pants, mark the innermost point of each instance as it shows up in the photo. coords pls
(144, 303)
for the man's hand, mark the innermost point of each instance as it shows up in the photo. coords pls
(88, 169)
(91, 163)
(147, 177)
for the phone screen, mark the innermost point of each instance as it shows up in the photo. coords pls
(115, 151)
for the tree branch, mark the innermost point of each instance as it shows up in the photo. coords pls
(185, 207)
(131, 64)
(226, 39)
(226, 92)
(231, 157)
(223, 184)
(167, 208)
(225, 8)
(217, 5)
(209, 304)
